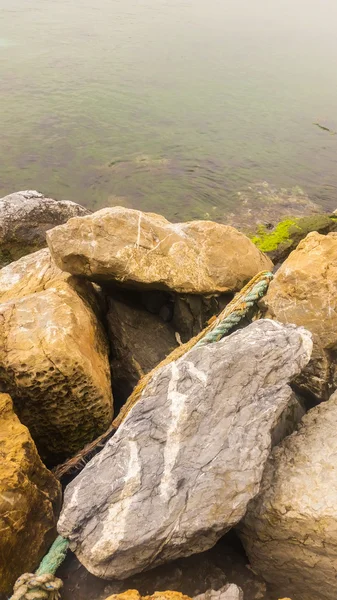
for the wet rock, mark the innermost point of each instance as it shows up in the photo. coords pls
(184, 464)
(54, 363)
(290, 530)
(139, 341)
(30, 499)
(145, 250)
(304, 292)
(24, 219)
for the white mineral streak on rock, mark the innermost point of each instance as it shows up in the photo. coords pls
(175, 430)
(144, 249)
(203, 430)
(118, 512)
(228, 592)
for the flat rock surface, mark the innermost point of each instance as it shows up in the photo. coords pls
(54, 362)
(30, 500)
(24, 219)
(290, 530)
(304, 292)
(190, 455)
(145, 250)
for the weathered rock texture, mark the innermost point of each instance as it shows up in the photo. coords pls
(304, 292)
(54, 363)
(228, 592)
(184, 464)
(32, 273)
(139, 341)
(30, 499)
(145, 250)
(290, 530)
(24, 219)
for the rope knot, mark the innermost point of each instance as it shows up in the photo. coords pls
(37, 587)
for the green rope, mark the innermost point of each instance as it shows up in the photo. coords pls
(228, 323)
(43, 585)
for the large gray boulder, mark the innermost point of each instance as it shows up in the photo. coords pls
(190, 455)
(24, 219)
(290, 530)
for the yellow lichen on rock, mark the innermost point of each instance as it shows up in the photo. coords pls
(30, 498)
(135, 595)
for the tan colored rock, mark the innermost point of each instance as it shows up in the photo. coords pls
(24, 219)
(135, 595)
(304, 292)
(30, 499)
(54, 363)
(145, 250)
(32, 273)
(290, 528)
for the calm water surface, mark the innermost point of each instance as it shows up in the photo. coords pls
(169, 105)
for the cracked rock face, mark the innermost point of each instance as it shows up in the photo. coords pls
(24, 219)
(54, 363)
(184, 464)
(304, 292)
(30, 500)
(290, 530)
(145, 250)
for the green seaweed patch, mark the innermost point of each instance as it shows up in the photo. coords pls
(288, 233)
(267, 241)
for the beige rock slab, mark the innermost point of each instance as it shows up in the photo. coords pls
(145, 250)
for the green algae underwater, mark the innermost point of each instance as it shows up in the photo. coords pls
(173, 107)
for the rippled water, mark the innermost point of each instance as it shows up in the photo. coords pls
(169, 105)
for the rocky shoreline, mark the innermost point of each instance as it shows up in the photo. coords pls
(234, 436)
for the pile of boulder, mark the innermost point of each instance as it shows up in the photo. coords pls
(234, 434)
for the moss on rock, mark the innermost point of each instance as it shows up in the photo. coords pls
(286, 235)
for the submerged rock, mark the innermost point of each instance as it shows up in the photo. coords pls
(304, 292)
(290, 530)
(184, 464)
(145, 250)
(30, 499)
(54, 363)
(24, 219)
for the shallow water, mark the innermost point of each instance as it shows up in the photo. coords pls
(168, 105)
